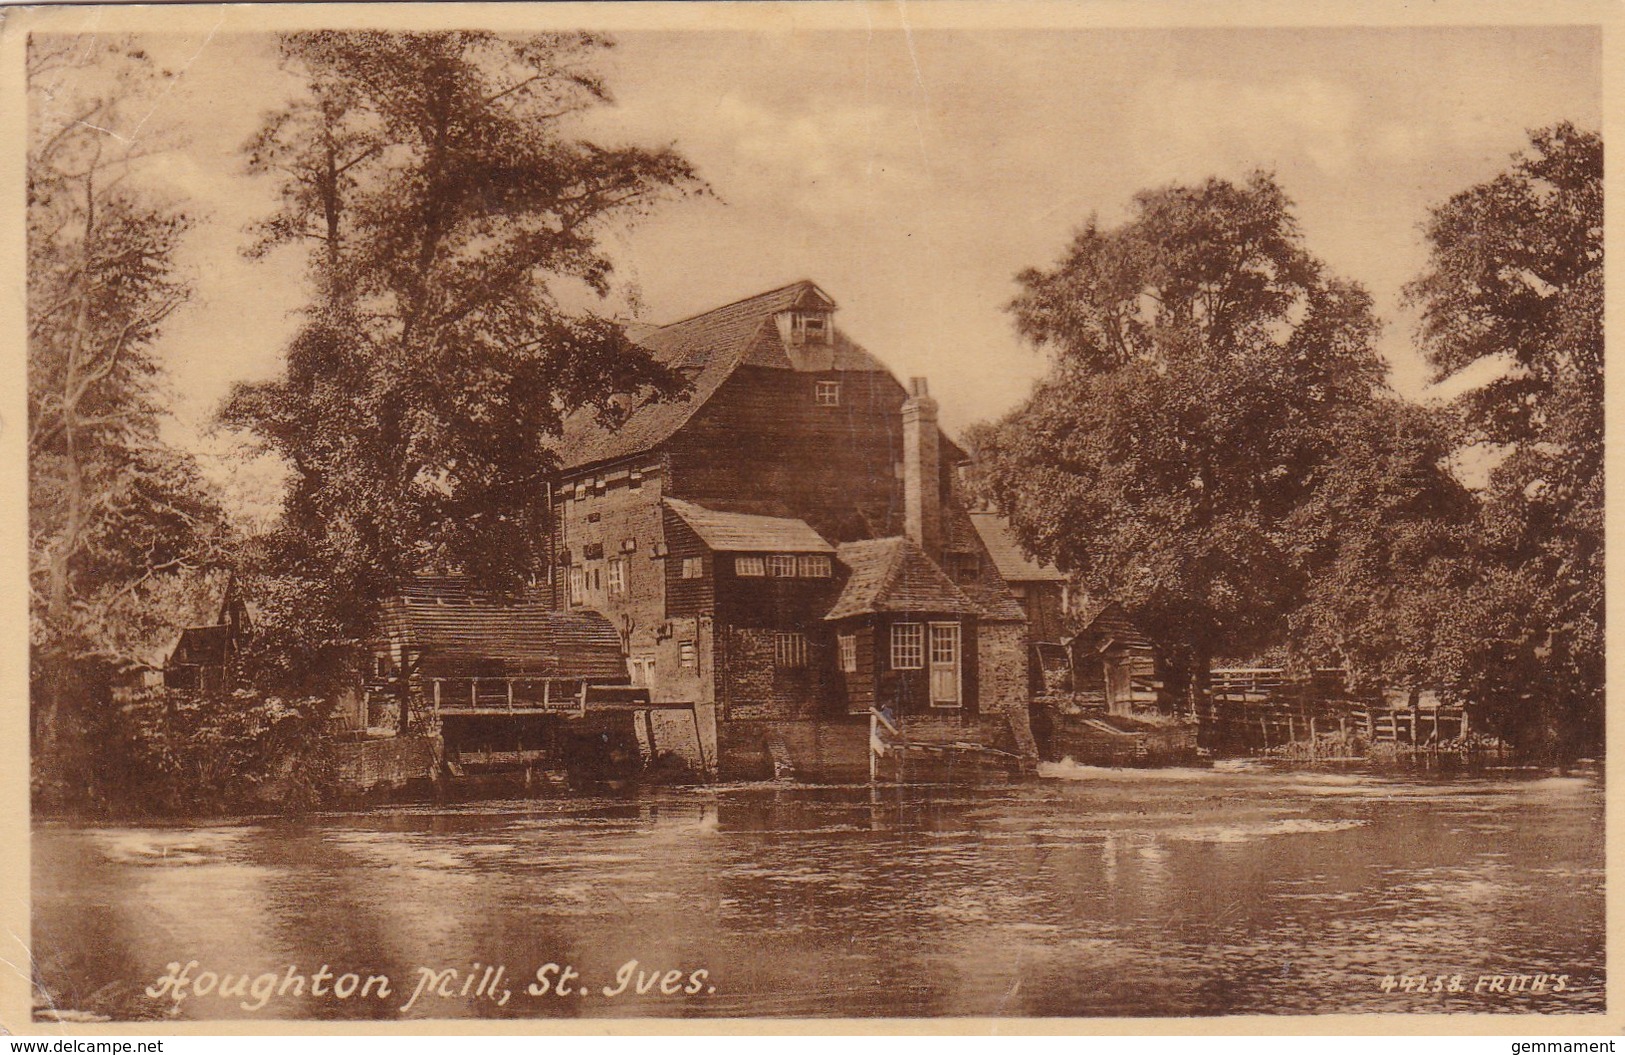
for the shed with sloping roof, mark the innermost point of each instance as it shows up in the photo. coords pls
(1011, 559)
(441, 627)
(1039, 588)
(1113, 661)
(204, 653)
(726, 532)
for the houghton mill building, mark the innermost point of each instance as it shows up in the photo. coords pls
(741, 577)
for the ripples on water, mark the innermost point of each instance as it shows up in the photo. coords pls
(1087, 893)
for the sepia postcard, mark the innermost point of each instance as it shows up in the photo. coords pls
(877, 517)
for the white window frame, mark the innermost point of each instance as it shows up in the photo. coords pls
(617, 576)
(814, 566)
(908, 646)
(752, 567)
(781, 566)
(693, 568)
(789, 650)
(812, 326)
(848, 647)
(827, 393)
(688, 655)
(953, 634)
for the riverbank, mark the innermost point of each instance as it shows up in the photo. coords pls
(426, 787)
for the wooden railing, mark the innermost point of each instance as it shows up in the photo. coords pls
(507, 695)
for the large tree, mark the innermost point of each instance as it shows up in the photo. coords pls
(453, 214)
(1383, 538)
(114, 513)
(1205, 374)
(1515, 274)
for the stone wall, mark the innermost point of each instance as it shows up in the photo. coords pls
(1004, 688)
(387, 763)
(690, 736)
(829, 750)
(753, 687)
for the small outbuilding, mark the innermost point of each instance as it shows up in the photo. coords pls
(471, 652)
(204, 654)
(1113, 662)
(905, 634)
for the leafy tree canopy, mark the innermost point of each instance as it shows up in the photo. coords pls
(449, 212)
(118, 521)
(113, 511)
(1515, 273)
(1207, 375)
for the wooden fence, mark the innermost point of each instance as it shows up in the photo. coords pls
(1257, 710)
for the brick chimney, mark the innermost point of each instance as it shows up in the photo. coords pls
(922, 477)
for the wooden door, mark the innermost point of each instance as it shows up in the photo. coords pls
(945, 665)
(1119, 686)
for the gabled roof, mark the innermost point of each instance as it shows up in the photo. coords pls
(989, 589)
(1106, 622)
(707, 348)
(208, 646)
(995, 600)
(524, 638)
(1009, 558)
(895, 575)
(745, 533)
(192, 600)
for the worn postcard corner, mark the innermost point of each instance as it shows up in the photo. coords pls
(880, 518)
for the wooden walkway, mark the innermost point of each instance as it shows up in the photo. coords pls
(1258, 710)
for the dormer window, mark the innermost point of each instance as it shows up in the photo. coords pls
(827, 393)
(810, 327)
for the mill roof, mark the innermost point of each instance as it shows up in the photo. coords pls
(1011, 560)
(748, 533)
(989, 589)
(707, 349)
(895, 575)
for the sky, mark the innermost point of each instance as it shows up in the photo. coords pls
(912, 175)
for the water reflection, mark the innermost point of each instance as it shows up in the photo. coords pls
(1087, 893)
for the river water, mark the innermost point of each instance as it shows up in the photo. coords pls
(1087, 892)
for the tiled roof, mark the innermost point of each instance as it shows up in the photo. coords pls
(1107, 620)
(706, 349)
(447, 622)
(745, 533)
(895, 575)
(990, 590)
(1008, 556)
(1089, 611)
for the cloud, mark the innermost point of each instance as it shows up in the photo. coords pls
(828, 162)
(1183, 125)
